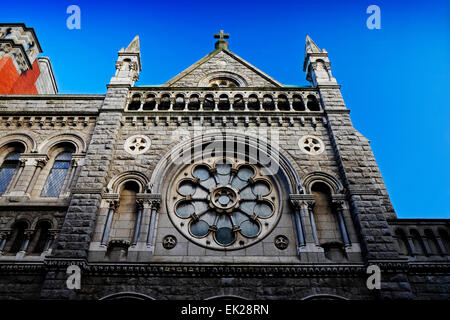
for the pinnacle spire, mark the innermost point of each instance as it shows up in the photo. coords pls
(310, 46)
(134, 45)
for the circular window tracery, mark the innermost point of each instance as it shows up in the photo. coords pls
(223, 203)
(137, 144)
(223, 82)
(311, 145)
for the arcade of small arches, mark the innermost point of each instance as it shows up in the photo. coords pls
(221, 101)
(422, 241)
(33, 238)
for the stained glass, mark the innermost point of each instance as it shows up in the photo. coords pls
(57, 176)
(8, 169)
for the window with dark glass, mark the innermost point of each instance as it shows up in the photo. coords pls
(18, 236)
(56, 178)
(42, 235)
(8, 169)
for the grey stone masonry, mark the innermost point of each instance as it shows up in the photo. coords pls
(361, 177)
(77, 229)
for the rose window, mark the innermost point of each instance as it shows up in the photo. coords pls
(223, 203)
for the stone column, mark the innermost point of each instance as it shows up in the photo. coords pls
(299, 224)
(412, 247)
(310, 206)
(17, 176)
(69, 180)
(24, 248)
(440, 245)
(50, 239)
(426, 245)
(113, 205)
(338, 211)
(3, 238)
(154, 207)
(137, 227)
(40, 164)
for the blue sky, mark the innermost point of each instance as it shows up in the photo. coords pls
(395, 80)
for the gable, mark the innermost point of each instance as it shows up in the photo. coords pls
(222, 63)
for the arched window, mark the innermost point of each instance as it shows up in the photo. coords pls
(135, 102)
(18, 236)
(283, 103)
(238, 102)
(313, 104)
(253, 102)
(179, 102)
(150, 102)
(224, 103)
(326, 224)
(165, 102)
(194, 102)
(9, 167)
(58, 174)
(268, 103)
(124, 220)
(42, 236)
(297, 103)
(209, 102)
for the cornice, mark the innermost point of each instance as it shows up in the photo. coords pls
(221, 270)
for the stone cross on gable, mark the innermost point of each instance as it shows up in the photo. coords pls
(221, 35)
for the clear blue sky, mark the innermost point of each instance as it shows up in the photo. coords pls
(395, 80)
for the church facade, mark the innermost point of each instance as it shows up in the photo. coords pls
(220, 183)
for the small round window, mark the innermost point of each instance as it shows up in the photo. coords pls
(311, 145)
(137, 144)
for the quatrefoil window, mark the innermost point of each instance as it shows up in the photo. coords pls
(224, 203)
(137, 144)
(311, 145)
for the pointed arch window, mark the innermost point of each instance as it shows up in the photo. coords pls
(58, 174)
(8, 169)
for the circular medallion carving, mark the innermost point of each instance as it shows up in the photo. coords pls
(169, 242)
(223, 203)
(311, 145)
(281, 242)
(137, 144)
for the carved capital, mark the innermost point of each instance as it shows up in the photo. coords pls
(310, 204)
(113, 204)
(22, 162)
(140, 204)
(155, 204)
(28, 234)
(40, 163)
(4, 234)
(52, 233)
(338, 205)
